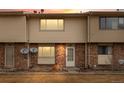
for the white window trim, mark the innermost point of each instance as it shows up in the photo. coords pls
(68, 64)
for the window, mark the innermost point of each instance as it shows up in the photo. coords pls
(111, 23)
(70, 53)
(102, 23)
(51, 24)
(104, 55)
(46, 52)
(104, 50)
(121, 23)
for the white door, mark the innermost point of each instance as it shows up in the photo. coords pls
(70, 56)
(9, 56)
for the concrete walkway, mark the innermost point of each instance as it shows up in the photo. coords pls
(55, 77)
(65, 73)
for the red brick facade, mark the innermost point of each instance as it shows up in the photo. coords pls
(118, 54)
(2, 55)
(80, 55)
(33, 56)
(21, 60)
(60, 56)
(92, 55)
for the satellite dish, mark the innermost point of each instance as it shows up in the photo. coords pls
(24, 50)
(33, 50)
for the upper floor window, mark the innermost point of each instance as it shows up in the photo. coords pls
(121, 23)
(51, 24)
(111, 23)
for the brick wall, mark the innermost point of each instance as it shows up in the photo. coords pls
(2, 55)
(20, 59)
(60, 56)
(80, 55)
(33, 56)
(94, 58)
(118, 53)
(92, 53)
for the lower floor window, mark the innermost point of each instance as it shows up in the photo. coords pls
(104, 55)
(104, 50)
(46, 51)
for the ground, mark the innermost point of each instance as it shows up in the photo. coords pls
(43, 77)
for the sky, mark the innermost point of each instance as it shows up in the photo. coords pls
(58, 10)
(67, 10)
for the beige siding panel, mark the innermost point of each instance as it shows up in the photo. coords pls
(46, 60)
(104, 36)
(104, 59)
(12, 29)
(74, 32)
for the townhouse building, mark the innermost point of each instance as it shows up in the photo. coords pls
(91, 40)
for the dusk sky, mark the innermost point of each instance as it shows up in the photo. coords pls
(58, 10)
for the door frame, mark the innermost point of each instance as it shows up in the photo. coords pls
(73, 55)
(13, 58)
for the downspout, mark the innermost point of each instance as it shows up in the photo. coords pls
(27, 35)
(88, 41)
(86, 55)
(28, 55)
(86, 47)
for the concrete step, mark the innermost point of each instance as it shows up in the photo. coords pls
(71, 69)
(42, 68)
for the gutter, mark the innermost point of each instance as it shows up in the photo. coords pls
(88, 41)
(27, 37)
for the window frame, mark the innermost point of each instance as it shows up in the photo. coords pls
(52, 30)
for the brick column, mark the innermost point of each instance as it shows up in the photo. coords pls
(92, 54)
(2, 55)
(79, 55)
(118, 53)
(60, 56)
(33, 56)
(20, 59)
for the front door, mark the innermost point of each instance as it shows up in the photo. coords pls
(9, 56)
(70, 56)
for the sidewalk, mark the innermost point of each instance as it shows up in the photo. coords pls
(62, 73)
(61, 77)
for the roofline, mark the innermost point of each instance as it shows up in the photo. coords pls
(11, 13)
(52, 15)
(105, 13)
(89, 13)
